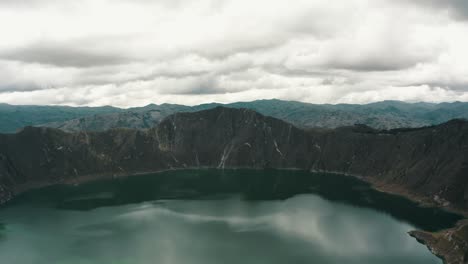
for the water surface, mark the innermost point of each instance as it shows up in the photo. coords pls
(211, 216)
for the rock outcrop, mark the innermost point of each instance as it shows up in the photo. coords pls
(451, 244)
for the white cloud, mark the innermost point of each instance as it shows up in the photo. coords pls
(127, 53)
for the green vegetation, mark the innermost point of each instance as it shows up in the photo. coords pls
(13, 118)
(381, 115)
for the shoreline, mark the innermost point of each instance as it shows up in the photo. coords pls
(436, 242)
(451, 245)
(378, 185)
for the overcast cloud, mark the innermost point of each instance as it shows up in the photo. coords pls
(131, 53)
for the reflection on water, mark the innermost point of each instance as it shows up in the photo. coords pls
(195, 217)
(2, 228)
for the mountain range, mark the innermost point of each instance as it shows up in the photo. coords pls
(15, 117)
(381, 115)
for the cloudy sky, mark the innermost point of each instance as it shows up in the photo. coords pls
(135, 52)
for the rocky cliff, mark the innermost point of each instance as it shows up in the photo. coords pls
(431, 162)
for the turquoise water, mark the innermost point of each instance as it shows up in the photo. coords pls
(212, 216)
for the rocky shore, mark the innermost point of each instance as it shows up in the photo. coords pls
(451, 245)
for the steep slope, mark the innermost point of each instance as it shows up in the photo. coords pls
(430, 162)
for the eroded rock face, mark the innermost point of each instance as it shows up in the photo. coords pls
(431, 162)
(224, 137)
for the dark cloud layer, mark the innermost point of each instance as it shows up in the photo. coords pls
(457, 8)
(373, 64)
(62, 56)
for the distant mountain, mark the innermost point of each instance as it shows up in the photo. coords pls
(381, 115)
(14, 117)
(138, 118)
